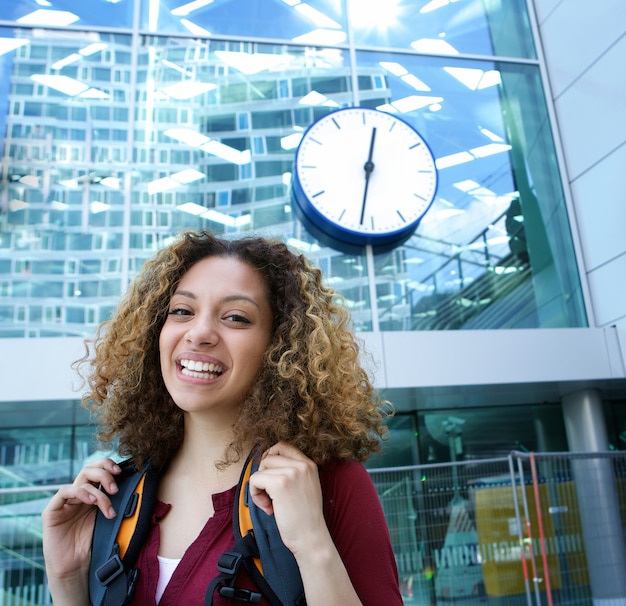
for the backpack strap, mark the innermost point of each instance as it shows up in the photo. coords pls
(117, 542)
(260, 549)
(229, 564)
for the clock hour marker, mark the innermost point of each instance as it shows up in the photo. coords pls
(343, 212)
(319, 193)
(400, 215)
(309, 166)
(336, 123)
(315, 141)
(372, 222)
(416, 145)
(393, 125)
(420, 197)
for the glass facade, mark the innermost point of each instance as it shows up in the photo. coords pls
(122, 129)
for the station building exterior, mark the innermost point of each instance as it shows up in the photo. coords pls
(501, 321)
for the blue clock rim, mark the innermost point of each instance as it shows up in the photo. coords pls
(318, 224)
(330, 232)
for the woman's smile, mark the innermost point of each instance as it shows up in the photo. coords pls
(198, 369)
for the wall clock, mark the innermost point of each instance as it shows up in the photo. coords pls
(362, 176)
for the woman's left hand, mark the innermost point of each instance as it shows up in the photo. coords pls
(287, 485)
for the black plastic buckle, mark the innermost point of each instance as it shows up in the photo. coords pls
(236, 593)
(110, 570)
(133, 577)
(131, 506)
(229, 562)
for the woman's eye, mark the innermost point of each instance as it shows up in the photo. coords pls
(237, 318)
(178, 311)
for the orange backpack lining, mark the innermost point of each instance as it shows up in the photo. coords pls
(128, 525)
(245, 520)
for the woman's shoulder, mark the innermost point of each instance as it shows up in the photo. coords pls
(342, 467)
(347, 479)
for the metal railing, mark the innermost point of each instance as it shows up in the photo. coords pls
(467, 286)
(529, 529)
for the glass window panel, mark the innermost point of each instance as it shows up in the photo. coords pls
(273, 145)
(69, 12)
(616, 412)
(21, 288)
(75, 315)
(492, 251)
(243, 120)
(28, 69)
(88, 289)
(46, 289)
(245, 171)
(222, 172)
(272, 168)
(450, 27)
(78, 114)
(35, 313)
(110, 288)
(241, 196)
(33, 108)
(271, 119)
(79, 241)
(48, 267)
(215, 124)
(401, 447)
(101, 73)
(314, 21)
(24, 89)
(90, 266)
(271, 216)
(494, 430)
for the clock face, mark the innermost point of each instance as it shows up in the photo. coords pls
(363, 176)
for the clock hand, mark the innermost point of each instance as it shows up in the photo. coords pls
(368, 167)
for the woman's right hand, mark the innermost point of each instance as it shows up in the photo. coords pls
(68, 522)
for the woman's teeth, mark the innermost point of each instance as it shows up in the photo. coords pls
(200, 370)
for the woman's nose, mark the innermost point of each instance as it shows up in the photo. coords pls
(202, 331)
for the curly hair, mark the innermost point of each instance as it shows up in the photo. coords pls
(310, 392)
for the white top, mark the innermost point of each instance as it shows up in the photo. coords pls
(167, 566)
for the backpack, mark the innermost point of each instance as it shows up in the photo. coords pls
(258, 546)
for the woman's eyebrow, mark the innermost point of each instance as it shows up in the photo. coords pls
(240, 297)
(185, 293)
(228, 299)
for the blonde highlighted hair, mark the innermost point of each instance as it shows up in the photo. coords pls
(311, 392)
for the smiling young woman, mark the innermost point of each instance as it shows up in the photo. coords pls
(220, 348)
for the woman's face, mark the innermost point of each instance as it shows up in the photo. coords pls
(212, 343)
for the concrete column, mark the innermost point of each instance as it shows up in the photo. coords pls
(597, 498)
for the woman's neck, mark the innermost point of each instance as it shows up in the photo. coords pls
(205, 446)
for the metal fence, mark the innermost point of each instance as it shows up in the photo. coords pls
(527, 529)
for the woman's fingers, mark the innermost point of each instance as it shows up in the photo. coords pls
(287, 485)
(99, 473)
(285, 450)
(84, 494)
(90, 487)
